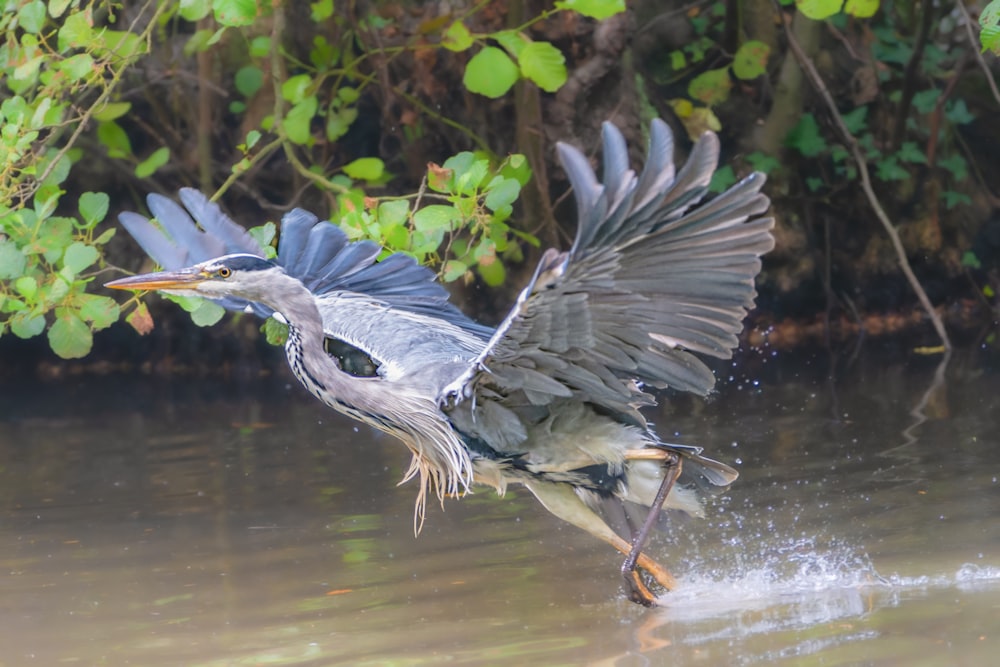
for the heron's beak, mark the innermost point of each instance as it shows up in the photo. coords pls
(186, 280)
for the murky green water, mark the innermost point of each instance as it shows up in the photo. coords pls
(206, 523)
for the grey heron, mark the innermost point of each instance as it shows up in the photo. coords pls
(550, 398)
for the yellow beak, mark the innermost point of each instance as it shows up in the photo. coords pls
(185, 279)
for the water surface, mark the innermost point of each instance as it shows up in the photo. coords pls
(210, 523)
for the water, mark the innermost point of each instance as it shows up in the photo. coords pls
(210, 523)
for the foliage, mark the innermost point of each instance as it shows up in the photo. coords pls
(62, 66)
(989, 21)
(59, 73)
(829, 163)
(711, 87)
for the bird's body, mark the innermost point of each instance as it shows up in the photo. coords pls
(550, 398)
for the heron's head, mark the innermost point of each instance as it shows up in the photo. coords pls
(240, 275)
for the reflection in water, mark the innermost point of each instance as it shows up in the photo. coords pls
(231, 526)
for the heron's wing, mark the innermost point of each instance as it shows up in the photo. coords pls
(316, 252)
(653, 277)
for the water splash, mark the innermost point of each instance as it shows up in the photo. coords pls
(777, 584)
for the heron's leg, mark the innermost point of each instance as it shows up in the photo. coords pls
(561, 500)
(637, 590)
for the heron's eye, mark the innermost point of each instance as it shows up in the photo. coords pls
(225, 272)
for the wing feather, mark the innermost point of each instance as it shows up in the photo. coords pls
(655, 276)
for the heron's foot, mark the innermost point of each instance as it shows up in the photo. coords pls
(638, 590)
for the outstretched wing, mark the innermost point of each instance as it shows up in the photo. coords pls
(316, 252)
(653, 276)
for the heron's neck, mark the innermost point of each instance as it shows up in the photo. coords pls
(401, 409)
(314, 368)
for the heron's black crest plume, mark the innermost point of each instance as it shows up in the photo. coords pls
(248, 263)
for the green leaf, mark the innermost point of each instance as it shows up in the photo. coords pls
(27, 287)
(76, 31)
(926, 100)
(954, 163)
(294, 89)
(763, 162)
(722, 178)
(393, 212)
(516, 166)
(818, 10)
(114, 139)
(57, 7)
(856, 120)
(457, 37)
(31, 16)
(100, 311)
(79, 256)
(78, 66)
(9, 304)
(469, 181)
(195, 10)
(805, 137)
(490, 73)
(93, 207)
(275, 332)
(111, 111)
(12, 261)
(365, 168)
(958, 113)
(105, 236)
(395, 236)
(453, 270)
(56, 290)
(53, 237)
(493, 273)
(260, 46)
(298, 121)
(970, 260)
(514, 42)
(321, 11)
(46, 200)
(26, 324)
(253, 136)
(889, 169)
(248, 80)
(953, 199)
(814, 184)
(750, 60)
(235, 13)
(543, 64)
(502, 192)
(148, 167)
(198, 42)
(323, 55)
(264, 235)
(69, 336)
(207, 313)
(711, 87)
(595, 9)
(339, 122)
(909, 152)
(435, 217)
(862, 9)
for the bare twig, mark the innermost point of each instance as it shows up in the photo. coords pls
(807, 66)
